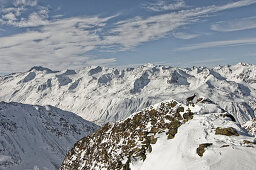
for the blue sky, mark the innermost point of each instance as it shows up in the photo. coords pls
(62, 34)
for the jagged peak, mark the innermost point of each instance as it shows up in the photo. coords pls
(149, 65)
(41, 68)
(242, 64)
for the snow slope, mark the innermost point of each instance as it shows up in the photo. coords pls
(36, 137)
(250, 126)
(165, 136)
(101, 94)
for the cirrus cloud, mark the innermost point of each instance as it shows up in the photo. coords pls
(62, 43)
(235, 25)
(160, 6)
(224, 43)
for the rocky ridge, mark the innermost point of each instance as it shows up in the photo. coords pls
(162, 134)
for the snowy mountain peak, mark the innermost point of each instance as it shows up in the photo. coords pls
(119, 92)
(43, 69)
(168, 135)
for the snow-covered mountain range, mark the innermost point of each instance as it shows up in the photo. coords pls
(37, 137)
(101, 94)
(168, 135)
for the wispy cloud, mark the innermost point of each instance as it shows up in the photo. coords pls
(160, 6)
(25, 2)
(132, 32)
(207, 61)
(184, 36)
(235, 25)
(19, 14)
(63, 43)
(212, 44)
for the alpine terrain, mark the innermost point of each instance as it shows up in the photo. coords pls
(168, 135)
(102, 94)
(37, 137)
(44, 112)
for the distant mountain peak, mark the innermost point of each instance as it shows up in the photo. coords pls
(40, 68)
(123, 91)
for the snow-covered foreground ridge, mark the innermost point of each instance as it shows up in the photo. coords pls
(36, 137)
(169, 136)
(101, 94)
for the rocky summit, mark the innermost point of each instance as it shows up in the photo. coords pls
(168, 135)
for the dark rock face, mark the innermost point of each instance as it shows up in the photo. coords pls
(140, 83)
(229, 116)
(115, 146)
(95, 70)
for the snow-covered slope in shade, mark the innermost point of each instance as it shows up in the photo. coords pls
(101, 94)
(36, 137)
(169, 136)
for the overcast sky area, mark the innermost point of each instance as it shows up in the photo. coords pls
(66, 34)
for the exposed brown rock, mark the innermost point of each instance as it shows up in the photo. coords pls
(130, 139)
(201, 149)
(226, 131)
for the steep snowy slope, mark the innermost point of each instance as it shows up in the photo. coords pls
(169, 136)
(102, 94)
(251, 126)
(33, 137)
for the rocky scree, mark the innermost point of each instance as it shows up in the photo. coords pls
(115, 146)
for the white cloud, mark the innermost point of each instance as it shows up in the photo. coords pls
(9, 16)
(130, 33)
(206, 61)
(224, 43)
(25, 2)
(235, 25)
(18, 14)
(236, 4)
(184, 36)
(34, 19)
(165, 5)
(59, 44)
(63, 43)
(103, 61)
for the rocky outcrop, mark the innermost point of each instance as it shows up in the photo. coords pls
(114, 146)
(170, 135)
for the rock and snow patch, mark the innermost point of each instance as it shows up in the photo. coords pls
(180, 153)
(167, 136)
(251, 126)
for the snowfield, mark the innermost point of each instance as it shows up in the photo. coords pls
(102, 95)
(180, 153)
(36, 137)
